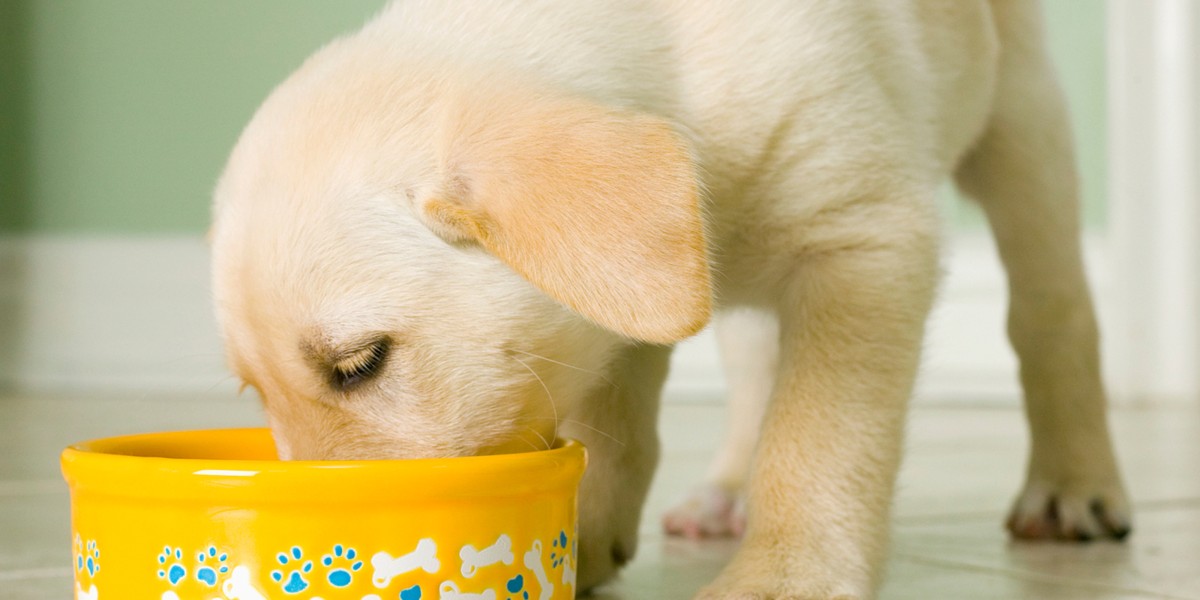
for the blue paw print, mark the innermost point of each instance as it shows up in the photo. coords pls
(412, 593)
(89, 559)
(517, 585)
(557, 556)
(211, 565)
(174, 572)
(341, 559)
(294, 583)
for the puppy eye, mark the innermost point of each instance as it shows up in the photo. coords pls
(359, 365)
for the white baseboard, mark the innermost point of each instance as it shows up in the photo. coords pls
(108, 313)
(966, 355)
(135, 314)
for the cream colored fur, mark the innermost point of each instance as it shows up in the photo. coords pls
(515, 206)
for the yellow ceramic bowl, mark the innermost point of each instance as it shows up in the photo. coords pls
(214, 515)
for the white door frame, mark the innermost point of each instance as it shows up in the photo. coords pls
(1153, 329)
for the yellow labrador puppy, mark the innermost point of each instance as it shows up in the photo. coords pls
(474, 225)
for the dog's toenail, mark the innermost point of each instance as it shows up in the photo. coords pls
(619, 555)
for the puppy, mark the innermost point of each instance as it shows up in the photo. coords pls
(473, 226)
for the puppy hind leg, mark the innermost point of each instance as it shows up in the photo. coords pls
(749, 346)
(1022, 173)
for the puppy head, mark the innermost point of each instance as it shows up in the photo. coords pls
(418, 265)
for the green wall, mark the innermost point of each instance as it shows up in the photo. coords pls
(13, 142)
(116, 115)
(125, 110)
(1078, 44)
(1077, 41)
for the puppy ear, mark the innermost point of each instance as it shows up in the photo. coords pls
(599, 209)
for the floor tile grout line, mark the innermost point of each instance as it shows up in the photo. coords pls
(925, 519)
(35, 573)
(1032, 576)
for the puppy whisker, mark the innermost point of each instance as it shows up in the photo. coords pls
(541, 437)
(145, 395)
(549, 396)
(585, 425)
(563, 364)
(220, 382)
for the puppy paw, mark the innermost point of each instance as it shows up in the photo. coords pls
(773, 572)
(710, 511)
(708, 594)
(1080, 512)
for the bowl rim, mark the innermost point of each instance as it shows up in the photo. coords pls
(98, 466)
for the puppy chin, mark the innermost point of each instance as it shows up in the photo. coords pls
(377, 449)
(531, 440)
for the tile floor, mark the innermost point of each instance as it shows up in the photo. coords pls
(963, 465)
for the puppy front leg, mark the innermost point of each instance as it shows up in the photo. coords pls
(619, 425)
(851, 323)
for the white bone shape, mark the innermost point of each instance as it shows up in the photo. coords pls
(91, 594)
(171, 595)
(424, 557)
(533, 562)
(449, 591)
(499, 552)
(568, 576)
(238, 586)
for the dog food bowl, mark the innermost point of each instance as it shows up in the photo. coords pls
(214, 514)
